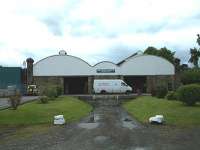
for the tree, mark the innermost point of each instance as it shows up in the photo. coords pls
(177, 65)
(184, 67)
(163, 52)
(167, 54)
(190, 76)
(151, 51)
(198, 39)
(194, 58)
(195, 54)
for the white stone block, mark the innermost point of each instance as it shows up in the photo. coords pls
(156, 119)
(59, 120)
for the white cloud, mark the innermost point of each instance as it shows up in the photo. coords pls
(92, 27)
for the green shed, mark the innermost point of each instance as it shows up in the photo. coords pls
(11, 76)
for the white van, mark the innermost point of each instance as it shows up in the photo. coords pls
(111, 86)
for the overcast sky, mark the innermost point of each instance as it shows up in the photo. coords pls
(95, 30)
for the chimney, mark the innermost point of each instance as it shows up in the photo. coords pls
(30, 62)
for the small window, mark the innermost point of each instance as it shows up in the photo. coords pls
(123, 84)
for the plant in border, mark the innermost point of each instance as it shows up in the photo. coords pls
(171, 95)
(161, 91)
(15, 100)
(52, 91)
(189, 94)
(44, 99)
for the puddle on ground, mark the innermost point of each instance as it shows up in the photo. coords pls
(92, 122)
(101, 139)
(127, 119)
(94, 118)
(140, 148)
(88, 125)
(128, 123)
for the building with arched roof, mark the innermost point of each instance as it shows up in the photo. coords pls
(142, 72)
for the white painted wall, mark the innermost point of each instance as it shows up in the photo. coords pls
(66, 65)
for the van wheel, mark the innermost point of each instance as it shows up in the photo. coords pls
(103, 92)
(128, 92)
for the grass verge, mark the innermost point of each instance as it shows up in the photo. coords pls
(35, 113)
(175, 113)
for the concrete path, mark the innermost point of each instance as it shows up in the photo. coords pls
(4, 103)
(109, 128)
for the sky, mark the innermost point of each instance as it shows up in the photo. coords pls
(95, 30)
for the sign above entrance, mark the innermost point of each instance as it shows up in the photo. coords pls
(105, 70)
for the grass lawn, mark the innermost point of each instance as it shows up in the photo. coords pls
(175, 113)
(34, 113)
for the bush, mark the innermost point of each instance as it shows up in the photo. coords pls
(15, 100)
(44, 99)
(171, 95)
(189, 94)
(190, 76)
(59, 90)
(51, 92)
(161, 91)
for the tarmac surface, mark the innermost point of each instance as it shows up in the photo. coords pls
(4, 102)
(109, 128)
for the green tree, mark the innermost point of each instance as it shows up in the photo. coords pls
(195, 54)
(177, 65)
(190, 76)
(194, 58)
(184, 67)
(151, 51)
(198, 39)
(163, 52)
(167, 54)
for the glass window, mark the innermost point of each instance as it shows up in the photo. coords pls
(123, 84)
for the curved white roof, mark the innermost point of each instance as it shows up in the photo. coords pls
(67, 65)
(61, 65)
(147, 65)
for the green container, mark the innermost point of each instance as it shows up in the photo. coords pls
(10, 76)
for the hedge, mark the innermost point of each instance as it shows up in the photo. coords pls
(189, 94)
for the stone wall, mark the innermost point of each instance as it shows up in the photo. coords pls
(44, 82)
(154, 81)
